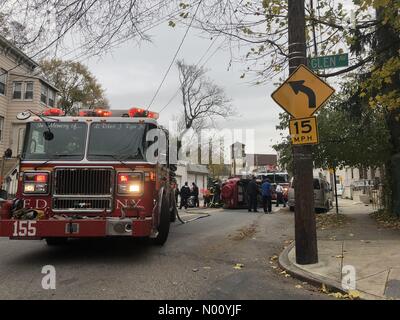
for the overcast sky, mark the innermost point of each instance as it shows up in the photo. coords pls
(132, 73)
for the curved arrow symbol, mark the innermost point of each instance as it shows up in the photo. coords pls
(298, 86)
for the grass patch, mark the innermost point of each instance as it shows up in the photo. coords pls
(386, 220)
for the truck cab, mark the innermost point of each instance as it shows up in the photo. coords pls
(91, 176)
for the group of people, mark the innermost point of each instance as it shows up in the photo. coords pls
(253, 190)
(185, 193)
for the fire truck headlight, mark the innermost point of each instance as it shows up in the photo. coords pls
(130, 183)
(29, 188)
(134, 188)
(36, 182)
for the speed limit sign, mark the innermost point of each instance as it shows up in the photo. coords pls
(304, 131)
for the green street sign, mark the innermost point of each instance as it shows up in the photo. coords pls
(326, 62)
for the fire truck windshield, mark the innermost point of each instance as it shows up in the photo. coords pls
(67, 139)
(122, 141)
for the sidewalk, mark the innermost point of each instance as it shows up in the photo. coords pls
(373, 252)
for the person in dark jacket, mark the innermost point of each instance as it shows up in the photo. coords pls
(252, 192)
(185, 194)
(176, 193)
(195, 194)
(266, 196)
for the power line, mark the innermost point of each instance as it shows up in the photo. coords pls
(208, 49)
(173, 59)
(205, 62)
(116, 41)
(86, 55)
(52, 42)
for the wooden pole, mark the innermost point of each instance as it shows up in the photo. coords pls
(305, 226)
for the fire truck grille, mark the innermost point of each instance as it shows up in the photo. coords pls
(83, 182)
(82, 204)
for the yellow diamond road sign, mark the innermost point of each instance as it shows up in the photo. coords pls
(302, 93)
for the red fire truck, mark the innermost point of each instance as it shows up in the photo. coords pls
(88, 176)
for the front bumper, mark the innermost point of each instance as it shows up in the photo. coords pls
(76, 228)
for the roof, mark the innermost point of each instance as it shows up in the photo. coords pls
(237, 143)
(40, 78)
(262, 159)
(8, 45)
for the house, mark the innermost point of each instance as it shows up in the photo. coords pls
(238, 159)
(262, 162)
(190, 173)
(21, 88)
(353, 181)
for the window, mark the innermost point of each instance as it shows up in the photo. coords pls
(68, 143)
(43, 95)
(28, 91)
(17, 90)
(1, 128)
(51, 98)
(130, 146)
(3, 81)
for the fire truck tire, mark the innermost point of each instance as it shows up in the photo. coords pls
(172, 208)
(163, 228)
(56, 241)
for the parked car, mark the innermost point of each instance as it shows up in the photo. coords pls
(323, 195)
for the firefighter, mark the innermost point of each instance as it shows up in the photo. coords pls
(195, 193)
(279, 196)
(252, 193)
(185, 194)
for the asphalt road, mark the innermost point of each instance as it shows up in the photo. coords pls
(197, 262)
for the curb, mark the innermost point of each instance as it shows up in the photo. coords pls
(298, 273)
(316, 280)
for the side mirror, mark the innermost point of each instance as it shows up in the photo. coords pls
(8, 153)
(24, 115)
(48, 135)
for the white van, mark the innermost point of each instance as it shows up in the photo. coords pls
(323, 195)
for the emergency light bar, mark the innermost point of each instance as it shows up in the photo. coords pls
(55, 112)
(95, 113)
(141, 113)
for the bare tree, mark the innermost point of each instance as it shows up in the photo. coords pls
(93, 26)
(202, 99)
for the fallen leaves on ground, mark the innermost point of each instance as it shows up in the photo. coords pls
(386, 220)
(238, 266)
(331, 220)
(351, 295)
(245, 232)
(354, 294)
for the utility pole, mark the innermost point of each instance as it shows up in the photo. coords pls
(335, 183)
(313, 27)
(305, 226)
